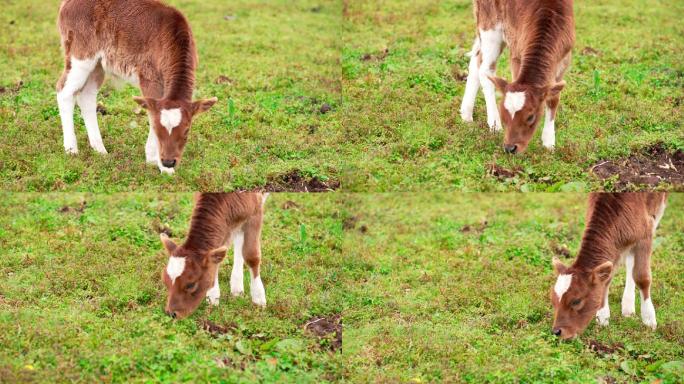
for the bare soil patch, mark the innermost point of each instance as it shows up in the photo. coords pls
(502, 173)
(217, 329)
(650, 167)
(78, 209)
(474, 228)
(294, 181)
(327, 329)
(605, 349)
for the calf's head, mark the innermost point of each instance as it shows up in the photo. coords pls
(521, 109)
(188, 276)
(576, 297)
(171, 121)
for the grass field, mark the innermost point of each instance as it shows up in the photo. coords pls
(404, 65)
(81, 299)
(273, 65)
(364, 93)
(455, 288)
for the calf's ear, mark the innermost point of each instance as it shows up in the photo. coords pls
(499, 83)
(558, 266)
(203, 105)
(216, 256)
(169, 245)
(602, 273)
(146, 102)
(556, 89)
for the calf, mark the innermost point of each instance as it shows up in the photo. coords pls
(143, 42)
(193, 269)
(618, 226)
(540, 34)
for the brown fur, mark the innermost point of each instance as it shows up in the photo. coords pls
(215, 217)
(615, 223)
(540, 35)
(142, 38)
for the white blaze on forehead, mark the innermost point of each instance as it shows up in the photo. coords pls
(175, 268)
(170, 118)
(514, 102)
(562, 285)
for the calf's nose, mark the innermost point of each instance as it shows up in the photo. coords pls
(171, 313)
(169, 163)
(510, 148)
(556, 331)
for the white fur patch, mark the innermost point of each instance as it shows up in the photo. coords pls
(175, 268)
(562, 285)
(648, 316)
(170, 118)
(514, 102)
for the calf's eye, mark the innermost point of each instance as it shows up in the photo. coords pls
(575, 302)
(191, 287)
(530, 119)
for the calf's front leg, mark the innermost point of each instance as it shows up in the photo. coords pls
(73, 79)
(237, 283)
(491, 42)
(252, 254)
(603, 314)
(214, 293)
(87, 102)
(642, 278)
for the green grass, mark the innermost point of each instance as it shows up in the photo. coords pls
(437, 303)
(401, 106)
(81, 297)
(283, 62)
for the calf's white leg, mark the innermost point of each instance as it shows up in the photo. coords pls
(472, 84)
(648, 315)
(257, 290)
(490, 48)
(549, 130)
(628, 305)
(214, 293)
(66, 98)
(603, 314)
(152, 146)
(87, 102)
(237, 283)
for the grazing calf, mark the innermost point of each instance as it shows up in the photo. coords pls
(618, 226)
(193, 269)
(143, 42)
(540, 34)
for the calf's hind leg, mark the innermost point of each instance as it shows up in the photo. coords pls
(472, 84)
(252, 255)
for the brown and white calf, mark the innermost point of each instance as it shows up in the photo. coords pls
(143, 42)
(619, 226)
(192, 272)
(540, 35)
